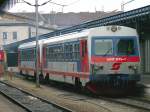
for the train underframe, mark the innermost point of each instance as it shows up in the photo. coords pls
(101, 84)
(112, 83)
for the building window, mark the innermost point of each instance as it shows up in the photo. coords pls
(14, 35)
(4, 35)
(33, 34)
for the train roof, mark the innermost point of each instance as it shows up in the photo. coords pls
(56, 38)
(27, 45)
(70, 36)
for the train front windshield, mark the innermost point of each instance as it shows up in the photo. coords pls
(118, 47)
(126, 47)
(103, 46)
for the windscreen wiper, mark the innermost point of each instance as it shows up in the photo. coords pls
(107, 51)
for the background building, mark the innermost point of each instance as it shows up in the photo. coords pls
(15, 28)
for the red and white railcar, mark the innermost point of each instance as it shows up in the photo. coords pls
(97, 56)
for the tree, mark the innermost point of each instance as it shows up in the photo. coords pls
(7, 4)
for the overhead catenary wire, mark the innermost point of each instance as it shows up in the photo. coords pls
(64, 5)
(38, 4)
(50, 1)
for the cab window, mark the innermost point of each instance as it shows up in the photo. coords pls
(103, 46)
(126, 47)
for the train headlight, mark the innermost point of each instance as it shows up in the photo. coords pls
(98, 67)
(133, 67)
(114, 28)
(101, 67)
(130, 67)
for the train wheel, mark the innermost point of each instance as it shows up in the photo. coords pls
(41, 78)
(34, 77)
(78, 84)
(26, 76)
(20, 73)
(47, 78)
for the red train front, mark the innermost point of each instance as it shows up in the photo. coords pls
(115, 59)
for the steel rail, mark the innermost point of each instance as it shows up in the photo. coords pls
(121, 101)
(29, 94)
(16, 102)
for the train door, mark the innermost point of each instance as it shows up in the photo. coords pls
(1, 63)
(84, 56)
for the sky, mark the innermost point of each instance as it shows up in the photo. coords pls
(80, 6)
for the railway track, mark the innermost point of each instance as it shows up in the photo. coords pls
(28, 101)
(147, 100)
(131, 102)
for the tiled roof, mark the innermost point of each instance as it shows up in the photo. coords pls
(7, 18)
(63, 20)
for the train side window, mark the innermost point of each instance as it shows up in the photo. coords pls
(49, 53)
(58, 53)
(68, 52)
(71, 52)
(30, 55)
(55, 53)
(21, 55)
(76, 52)
(34, 54)
(26, 55)
(61, 53)
(65, 49)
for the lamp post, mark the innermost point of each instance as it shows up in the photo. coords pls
(37, 39)
(37, 45)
